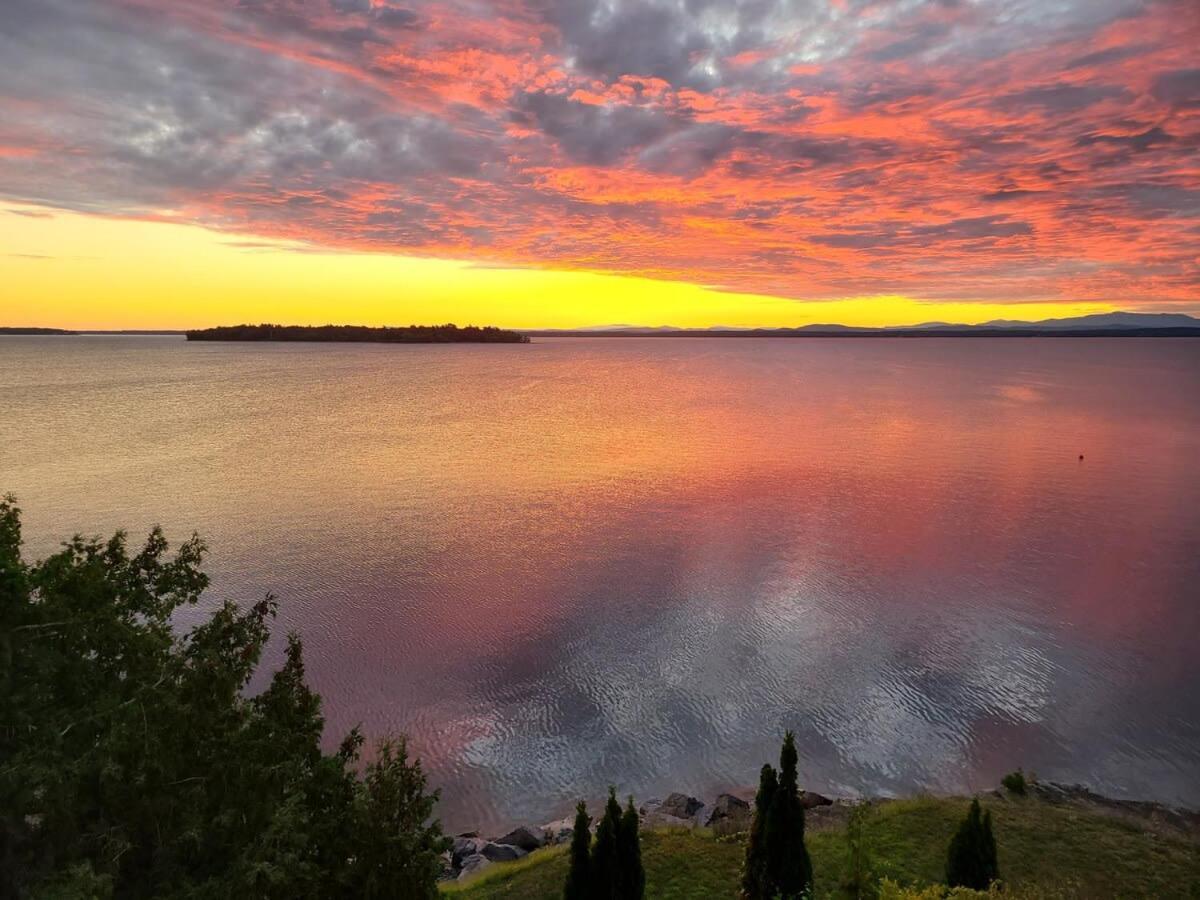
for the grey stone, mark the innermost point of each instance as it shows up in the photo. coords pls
(681, 806)
(472, 865)
(501, 852)
(522, 837)
(464, 847)
(810, 799)
(730, 810)
(558, 832)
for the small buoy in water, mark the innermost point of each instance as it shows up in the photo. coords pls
(1081, 457)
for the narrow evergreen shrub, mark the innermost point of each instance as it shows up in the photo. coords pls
(611, 868)
(606, 859)
(971, 860)
(629, 851)
(756, 884)
(579, 876)
(777, 862)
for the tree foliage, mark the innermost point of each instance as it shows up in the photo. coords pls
(631, 878)
(859, 881)
(971, 860)
(756, 883)
(133, 763)
(606, 860)
(407, 334)
(611, 868)
(579, 876)
(777, 862)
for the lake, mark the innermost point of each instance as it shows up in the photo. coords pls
(636, 561)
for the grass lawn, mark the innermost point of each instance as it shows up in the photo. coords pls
(1041, 847)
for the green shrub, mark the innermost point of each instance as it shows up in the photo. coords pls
(1014, 782)
(859, 880)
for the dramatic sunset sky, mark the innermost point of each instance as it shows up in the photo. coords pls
(170, 163)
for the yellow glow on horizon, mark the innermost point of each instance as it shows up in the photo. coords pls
(72, 270)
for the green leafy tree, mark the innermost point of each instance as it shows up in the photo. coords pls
(133, 763)
(756, 882)
(579, 876)
(788, 866)
(971, 859)
(632, 875)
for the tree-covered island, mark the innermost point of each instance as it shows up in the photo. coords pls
(408, 334)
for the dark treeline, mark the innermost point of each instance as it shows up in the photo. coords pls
(409, 334)
(840, 332)
(23, 330)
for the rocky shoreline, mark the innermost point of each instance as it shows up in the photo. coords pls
(729, 813)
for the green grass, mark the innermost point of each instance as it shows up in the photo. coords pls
(1041, 847)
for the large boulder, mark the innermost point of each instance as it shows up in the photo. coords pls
(681, 806)
(500, 852)
(472, 865)
(729, 811)
(811, 799)
(464, 847)
(522, 837)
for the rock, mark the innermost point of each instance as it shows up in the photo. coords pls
(522, 837)
(500, 852)
(681, 806)
(464, 847)
(729, 810)
(473, 864)
(558, 832)
(810, 799)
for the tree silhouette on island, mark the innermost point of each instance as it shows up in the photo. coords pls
(408, 334)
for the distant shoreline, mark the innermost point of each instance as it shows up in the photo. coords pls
(35, 331)
(886, 333)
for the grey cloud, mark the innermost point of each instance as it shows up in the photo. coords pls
(395, 17)
(1008, 194)
(883, 237)
(1060, 98)
(1144, 140)
(1179, 88)
(596, 135)
(1107, 56)
(158, 110)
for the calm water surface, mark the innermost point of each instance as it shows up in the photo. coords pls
(636, 561)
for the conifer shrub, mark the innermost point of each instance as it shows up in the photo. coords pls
(611, 867)
(579, 875)
(971, 859)
(777, 861)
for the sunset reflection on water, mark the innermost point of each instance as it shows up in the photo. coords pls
(636, 561)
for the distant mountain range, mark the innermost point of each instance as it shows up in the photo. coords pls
(1114, 324)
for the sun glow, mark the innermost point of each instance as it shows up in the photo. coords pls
(73, 270)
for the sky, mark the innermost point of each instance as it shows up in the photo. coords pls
(562, 163)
